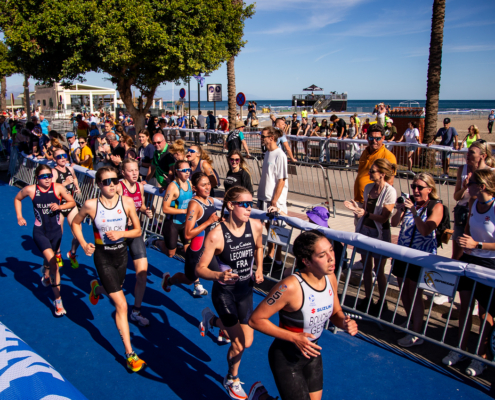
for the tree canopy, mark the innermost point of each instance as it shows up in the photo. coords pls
(140, 43)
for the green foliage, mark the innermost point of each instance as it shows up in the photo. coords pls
(7, 67)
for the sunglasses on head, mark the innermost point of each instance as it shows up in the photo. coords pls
(191, 151)
(185, 170)
(372, 138)
(235, 160)
(243, 204)
(60, 156)
(45, 176)
(109, 181)
(420, 188)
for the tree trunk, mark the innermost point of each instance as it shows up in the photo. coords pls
(231, 92)
(25, 102)
(434, 72)
(3, 94)
(138, 113)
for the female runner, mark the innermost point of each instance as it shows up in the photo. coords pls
(65, 175)
(201, 216)
(47, 230)
(234, 244)
(130, 187)
(294, 356)
(110, 213)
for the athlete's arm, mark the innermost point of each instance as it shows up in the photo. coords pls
(338, 317)
(208, 170)
(193, 210)
(130, 210)
(171, 194)
(60, 191)
(88, 209)
(54, 175)
(283, 296)
(27, 191)
(257, 228)
(143, 208)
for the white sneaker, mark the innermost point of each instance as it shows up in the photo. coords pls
(475, 368)
(234, 388)
(476, 309)
(204, 325)
(199, 290)
(409, 341)
(59, 308)
(137, 317)
(439, 299)
(452, 358)
(222, 337)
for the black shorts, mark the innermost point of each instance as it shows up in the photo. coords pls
(137, 248)
(47, 241)
(66, 213)
(399, 269)
(295, 375)
(192, 259)
(111, 264)
(231, 307)
(171, 233)
(482, 292)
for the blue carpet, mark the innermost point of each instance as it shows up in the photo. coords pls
(84, 346)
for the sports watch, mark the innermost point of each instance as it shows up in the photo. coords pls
(479, 246)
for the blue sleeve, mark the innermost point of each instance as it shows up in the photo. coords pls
(241, 136)
(283, 139)
(149, 151)
(454, 132)
(439, 133)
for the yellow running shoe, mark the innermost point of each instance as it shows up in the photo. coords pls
(73, 261)
(60, 262)
(134, 363)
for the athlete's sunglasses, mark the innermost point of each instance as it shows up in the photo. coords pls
(60, 156)
(244, 204)
(45, 176)
(192, 151)
(109, 181)
(185, 170)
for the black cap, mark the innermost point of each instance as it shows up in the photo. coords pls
(446, 121)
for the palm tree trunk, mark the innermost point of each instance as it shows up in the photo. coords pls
(434, 72)
(25, 102)
(231, 92)
(3, 94)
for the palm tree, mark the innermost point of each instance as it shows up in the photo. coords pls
(434, 72)
(25, 101)
(231, 92)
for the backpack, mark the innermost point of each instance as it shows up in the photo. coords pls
(443, 231)
(233, 141)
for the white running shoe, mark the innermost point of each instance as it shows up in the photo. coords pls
(222, 337)
(204, 325)
(410, 341)
(165, 282)
(199, 290)
(59, 308)
(44, 280)
(476, 368)
(234, 388)
(452, 358)
(440, 299)
(137, 317)
(476, 310)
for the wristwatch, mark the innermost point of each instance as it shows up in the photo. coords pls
(479, 246)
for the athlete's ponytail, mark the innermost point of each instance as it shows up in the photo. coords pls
(304, 247)
(232, 195)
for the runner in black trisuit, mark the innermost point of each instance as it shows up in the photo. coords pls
(235, 244)
(47, 231)
(66, 176)
(130, 187)
(110, 213)
(305, 302)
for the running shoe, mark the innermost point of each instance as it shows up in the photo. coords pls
(137, 317)
(134, 363)
(476, 368)
(258, 390)
(199, 290)
(60, 262)
(166, 285)
(45, 281)
(204, 325)
(59, 308)
(410, 341)
(93, 297)
(222, 337)
(73, 261)
(452, 358)
(234, 388)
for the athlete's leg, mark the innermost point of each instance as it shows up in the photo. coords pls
(316, 395)
(70, 218)
(241, 337)
(121, 321)
(50, 259)
(141, 267)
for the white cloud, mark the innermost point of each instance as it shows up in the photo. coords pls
(324, 55)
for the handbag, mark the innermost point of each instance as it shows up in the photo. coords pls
(461, 214)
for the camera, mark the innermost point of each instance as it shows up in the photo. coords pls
(402, 198)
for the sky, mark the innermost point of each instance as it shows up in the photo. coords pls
(367, 48)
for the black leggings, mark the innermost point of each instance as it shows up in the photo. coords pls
(295, 375)
(171, 233)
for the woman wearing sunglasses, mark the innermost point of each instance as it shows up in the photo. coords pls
(201, 217)
(66, 176)
(47, 230)
(84, 155)
(236, 244)
(201, 162)
(110, 214)
(238, 174)
(130, 187)
(420, 215)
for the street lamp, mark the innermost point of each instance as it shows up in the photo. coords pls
(207, 75)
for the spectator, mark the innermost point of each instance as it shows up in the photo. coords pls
(420, 215)
(211, 125)
(374, 151)
(391, 130)
(6, 131)
(358, 122)
(380, 115)
(273, 186)
(161, 163)
(172, 133)
(102, 148)
(74, 145)
(178, 151)
(120, 131)
(449, 139)
(223, 124)
(129, 147)
(352, 133)
(411, 136)
(472, 136)
(82, 127)
(340, 127)
(282, 141)
(182, 124)
(374, 221)
(294, 126)
(273, 119)
(304, 114)
(84, 155)
(235, 139)
(201, 162)
(108, 127)
(478, 243)
(365, 127)
(145, 153)
(152, 125)
(324, 131)
(491, 119)
(45, 125)
(304, 130)
(201, 120)
(238, 173)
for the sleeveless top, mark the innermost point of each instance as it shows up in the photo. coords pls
(46, 219)
(315, 311)
(424, 243)
(182, 202)
(198, 242)
(62, 176)
(114, 219)
(238, 255)
(136, 196)
(482, 227)
(469, 141)
(198, 168)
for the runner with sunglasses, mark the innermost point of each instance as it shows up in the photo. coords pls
(130, 187)
(47, 230)
(110, 213)
(201, 216)
(235, 245)
(66, 176)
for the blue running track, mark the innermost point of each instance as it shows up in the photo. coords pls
(85, 348)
